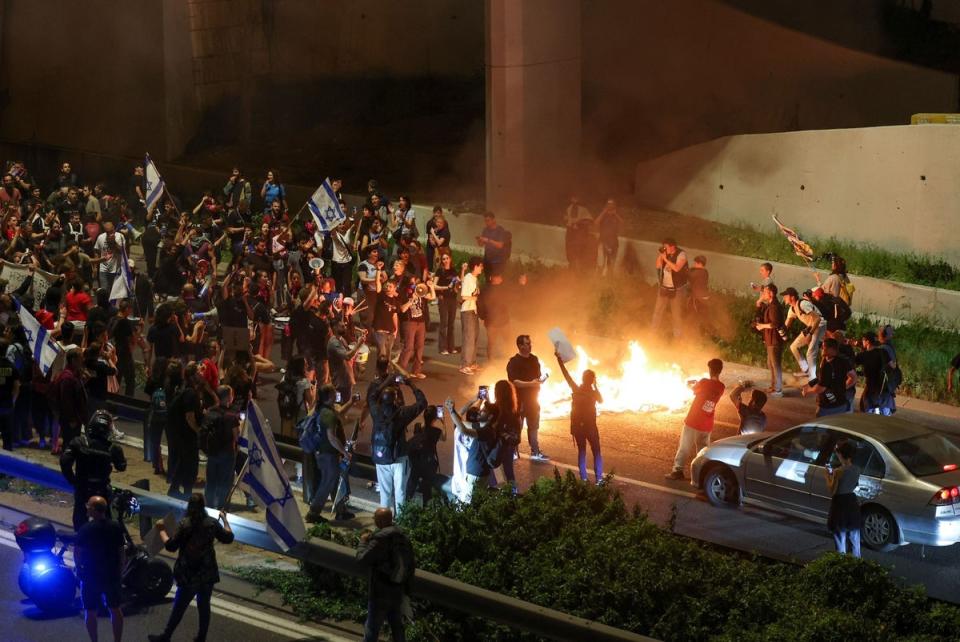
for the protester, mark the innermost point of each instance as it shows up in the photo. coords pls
(838, 283)
(752, 417)
(672, 278)
(872, 359)
(447, 287)
(770, 324)
(496, 243)
(523, 371)
(196, 569)
(220, 430)
(422, 450)
(836, 375)
(469, 321)
(608, 224)
(698, 424)
(472, 436)
(811, 334)
(438, 237)
(100, 559)
(583, 419)
(579, 224)
(326, 428)
(844, 517)
(389, 555)
(389, 441)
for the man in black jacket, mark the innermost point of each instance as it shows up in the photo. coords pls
(87, 463)
(389, 554)
(389, 439)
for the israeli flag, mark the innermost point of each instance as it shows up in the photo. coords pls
(42, 345)
(123, 284)
(154, 184)
(326, 208)
(268, 483)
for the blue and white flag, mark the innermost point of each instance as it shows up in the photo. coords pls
(326, 208)
(154, 184)
(268, 482)
(123, 284)
(42, 345)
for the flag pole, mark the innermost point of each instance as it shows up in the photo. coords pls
(236, 484)
(294, 218)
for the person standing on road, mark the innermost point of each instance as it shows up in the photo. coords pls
(326, 426)
(844, 517)
(771, 325)
(389, 441)
(424, 461)
(196, 569)
(523, 371)
(447, 287)
(87, 462)
(583, 419)
(222, 427)
(100, 560)
(672, 276)
(699, 422)
(469, 321)
(837, 374)
(389, 555)
(875, 399)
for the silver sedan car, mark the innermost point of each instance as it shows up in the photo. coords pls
(908, 486)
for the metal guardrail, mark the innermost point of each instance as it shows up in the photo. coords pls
(432, 587)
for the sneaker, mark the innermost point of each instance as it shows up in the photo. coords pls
(455, 351)
(444, 352)
(676, 474)
(540, 456)
(116, 435)
(418, 375)
(467, 370)
(776, 394)
(314, 518)
(344, 516)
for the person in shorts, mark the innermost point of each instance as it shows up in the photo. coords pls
(100, 558)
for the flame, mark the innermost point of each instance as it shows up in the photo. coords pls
(637, 386)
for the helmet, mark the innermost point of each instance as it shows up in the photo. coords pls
(100, 425)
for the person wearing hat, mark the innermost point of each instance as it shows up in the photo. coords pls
(811, 335)
(87, 462)
(672, 278)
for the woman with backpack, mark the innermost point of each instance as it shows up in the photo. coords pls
(196, 569)
(838, 283)
(583, 419)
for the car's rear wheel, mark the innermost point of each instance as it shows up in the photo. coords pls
(721, 487)
(878, 529)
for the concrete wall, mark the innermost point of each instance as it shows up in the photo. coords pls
(873, 297)
(894, 187)
(660, 76)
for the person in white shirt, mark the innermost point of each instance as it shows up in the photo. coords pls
(110, 251)
(469, 322)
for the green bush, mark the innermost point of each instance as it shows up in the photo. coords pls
(576, 548)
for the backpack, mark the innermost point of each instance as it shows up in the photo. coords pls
(383, 443)
(400, 565)
(846, 291)
(158, 406)
(892, 377)
(212, 436)
(310, 435)
(287, 399)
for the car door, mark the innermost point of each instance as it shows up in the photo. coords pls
(779, 470)
(872, 471)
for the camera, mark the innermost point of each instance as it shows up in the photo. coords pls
(662, 249)
(482, 392)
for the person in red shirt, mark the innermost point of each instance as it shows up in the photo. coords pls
(699, 422)
(78, 302)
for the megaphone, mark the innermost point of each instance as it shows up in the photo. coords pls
(316, 264)
(422, 289)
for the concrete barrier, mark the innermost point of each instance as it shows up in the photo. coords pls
(891, 300)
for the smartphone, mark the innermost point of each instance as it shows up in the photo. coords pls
(243, 416)
(482, 392)
(544, 376)
(339, 397)
(439, 412)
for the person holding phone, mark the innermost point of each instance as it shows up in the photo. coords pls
(424, 461)
(196, 569)
(389, 447)
(524, 372)
(843, 519)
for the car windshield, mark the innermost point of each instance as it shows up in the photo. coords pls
(929, 454)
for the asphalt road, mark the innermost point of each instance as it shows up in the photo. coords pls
(233, 618)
